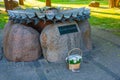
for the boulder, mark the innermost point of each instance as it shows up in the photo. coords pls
(86, 35)
(56, 43)
(21, 43)
(6, 32)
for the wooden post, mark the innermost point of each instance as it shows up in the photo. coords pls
(48, 2)
(21, 2)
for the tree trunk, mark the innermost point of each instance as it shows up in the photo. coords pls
(117, 3)
(21, 2)
(111, 3)
(48, 2)
(114, 3)
(6, 5)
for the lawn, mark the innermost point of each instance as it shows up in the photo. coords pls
(3, 16)
(3, 19)
(107, 19)
(102, 17)
(83, 2)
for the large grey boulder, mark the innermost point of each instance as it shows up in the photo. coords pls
(56, 46)
(86, 35)
(6, 32)
(21, 43)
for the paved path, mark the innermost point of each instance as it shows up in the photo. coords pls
(103, 63)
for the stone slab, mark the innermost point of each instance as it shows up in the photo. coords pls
(106, 36)
(106, 56)
(88, 71)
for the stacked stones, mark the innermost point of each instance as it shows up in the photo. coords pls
(36, 15)
(28, 28)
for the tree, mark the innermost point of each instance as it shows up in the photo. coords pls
(48, 2)
(6, 5)
(114, 3)
(111, 3)
(21, 2)
(11, 4)
(117, 3)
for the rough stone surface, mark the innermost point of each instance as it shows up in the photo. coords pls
(55, 46)
(86, 35)
(41, 25)
(6, 32)
(94, 4)
(21, 43)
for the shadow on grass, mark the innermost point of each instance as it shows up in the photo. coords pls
(108, 24)
(2, 5)
(104, 7)
(106, 13)
(3, 19)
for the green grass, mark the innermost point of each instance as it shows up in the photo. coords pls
(76, 1)
(2, 4)
(108, 24)
(3, 19)
(107, 19)
(3, 16)
(105, 23)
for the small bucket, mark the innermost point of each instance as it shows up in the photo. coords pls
(74, 60)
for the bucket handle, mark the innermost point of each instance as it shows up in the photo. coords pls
(80, 51)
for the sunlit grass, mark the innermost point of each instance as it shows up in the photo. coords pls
(3, 15)
(34, 3)
(105, 18)
(106, 13)
(2, 4)
(3, 19)
(83, 2)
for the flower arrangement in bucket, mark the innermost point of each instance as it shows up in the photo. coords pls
(74, 60)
